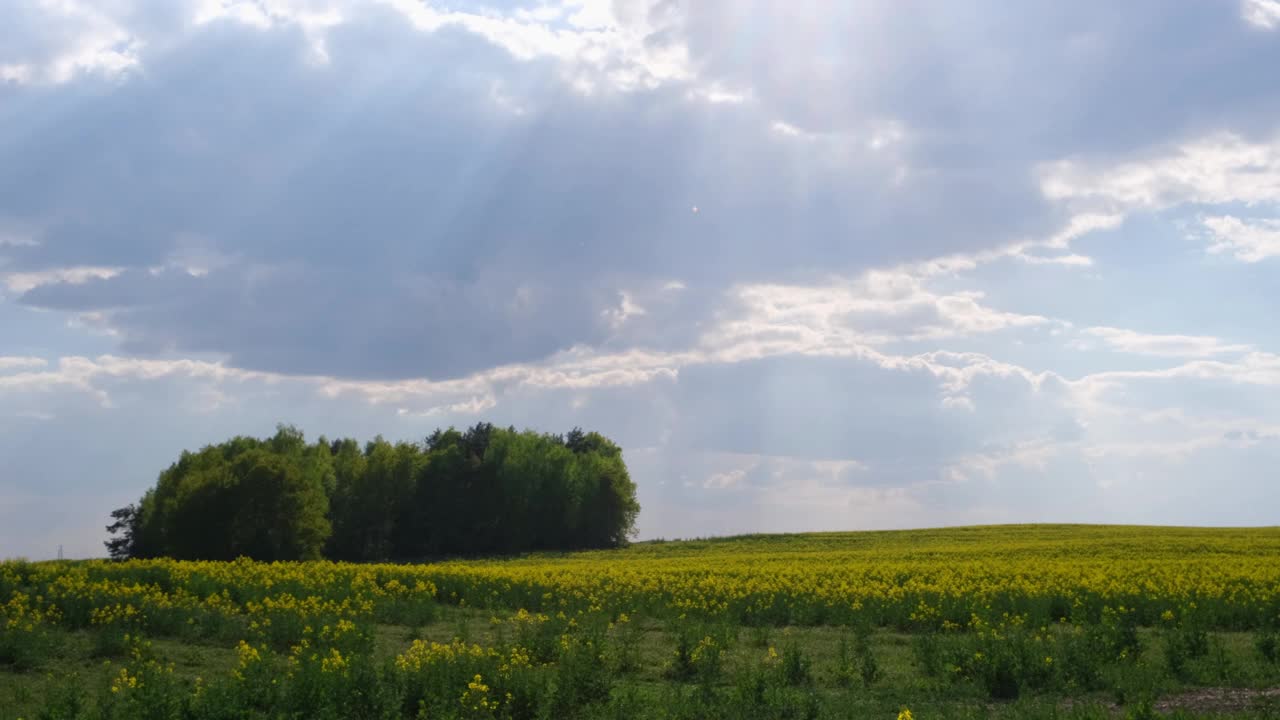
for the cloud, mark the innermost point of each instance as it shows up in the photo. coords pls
(626, 310)
(1213, 169)
(725, 479)
(8, 363)
(56, 42)
(1163, 345)
(1247, 240)
(876, 308)
(1264, 14)
(22, 282)
(1254, 368)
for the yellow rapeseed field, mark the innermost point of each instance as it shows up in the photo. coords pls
(911, 579)
(992, 611)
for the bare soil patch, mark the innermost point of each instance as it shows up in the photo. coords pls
(1213, 700)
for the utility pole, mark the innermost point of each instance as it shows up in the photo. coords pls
(59, 552)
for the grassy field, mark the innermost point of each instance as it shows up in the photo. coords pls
(1016, 622)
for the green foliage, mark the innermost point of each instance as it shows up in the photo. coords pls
(929, 653)
(793, 666)
(758, 693)
(1267, 643)
(1082, 656)
(582, 678)
(256, 498)
(627, 635)
(125, 532)
(486, 490)
(698, 655)
(1185, 639)
(1117, 633)
(1005, 657)
(280, 511)
(857, 661)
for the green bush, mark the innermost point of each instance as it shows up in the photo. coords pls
(929, 653)
(697, 657)
(1267, 643)
(582, 677)
(1005, 657)
(1185, 639)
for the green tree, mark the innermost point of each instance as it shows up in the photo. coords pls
(281, 511)
(483, 490)
(124, 530)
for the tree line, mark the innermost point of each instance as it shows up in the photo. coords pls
(485, 490)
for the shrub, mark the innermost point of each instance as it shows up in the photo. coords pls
(695, 658)
(794, 666)
(929, 653)
(1184, 639)
(1005, 657)
(1267, 643)
(1117, 633)
(582, 677)
(762, 692)
(1081, 657)
(626, 647)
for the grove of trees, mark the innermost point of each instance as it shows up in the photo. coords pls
(486, 490)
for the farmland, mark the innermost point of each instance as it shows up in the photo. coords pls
(1009, 621)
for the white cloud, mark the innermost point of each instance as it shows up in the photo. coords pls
(626, 309)
(731, 478)
(1027, 251)
(597, 48)
(11, 362)
(16, 72)
(1246, 240)
(717, 94)
(771, 321)
(600, 45)
(1027, 455)
(88, 40)
(1264, 14)
(752, 472)
(1131, 341)
(21, 282)
(783, 128)
(1068, 259)
(1256, 369)
(879, 307)
(314, 17)
(1220, 168)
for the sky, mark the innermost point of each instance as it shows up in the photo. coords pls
(814, 265)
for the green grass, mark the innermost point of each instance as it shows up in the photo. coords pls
(651, 694)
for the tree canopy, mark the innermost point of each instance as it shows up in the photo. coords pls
(485, 490)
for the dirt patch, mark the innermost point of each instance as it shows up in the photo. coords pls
(1212, 700)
